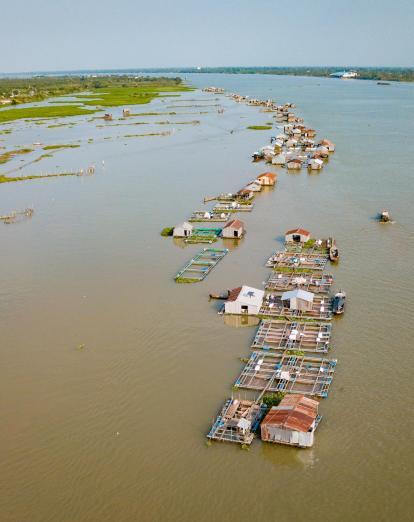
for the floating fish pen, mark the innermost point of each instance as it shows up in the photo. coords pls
(297, 261)
(201, 265)
(233, 207)
(316, 282)
(318, 247)
(291, 335)
(237, 422)
(287, 373)
(201, 216)
(203, 235)
(319, 308)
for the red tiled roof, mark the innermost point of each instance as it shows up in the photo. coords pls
(234, 223)
(234, 294)
(301, 231)
(295, 412)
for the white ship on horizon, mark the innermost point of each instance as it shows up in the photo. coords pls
(345, 75)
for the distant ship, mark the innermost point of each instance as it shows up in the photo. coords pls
(345, 75)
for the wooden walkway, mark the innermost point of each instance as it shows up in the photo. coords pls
(202, 216)
(200, 265)
(228, 207)
(287, 373)
(292, 335)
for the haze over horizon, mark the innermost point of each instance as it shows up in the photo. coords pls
(71, 35)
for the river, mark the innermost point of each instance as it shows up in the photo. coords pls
(115, 430)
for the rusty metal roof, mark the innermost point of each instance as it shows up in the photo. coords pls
(295, 412)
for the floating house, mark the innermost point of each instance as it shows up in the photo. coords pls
(244, 300)
(292, 422)
(279, 159)
(298, 299)
(267, 179)
(234, 229)
(294, 164)
(297, 235)
(183, 230)
(315, 164)
(254, 186)
(126, 112)
(328, 144)
(245, 194)
(107, 117)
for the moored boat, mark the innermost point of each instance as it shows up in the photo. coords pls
(384, 216)
(338, 304)
(333, 250)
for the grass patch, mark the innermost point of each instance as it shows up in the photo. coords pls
(259, 127)
(63, 146)
(167, 231)
(6, 179)
(44, 112)
(7, 156)
(273, 399)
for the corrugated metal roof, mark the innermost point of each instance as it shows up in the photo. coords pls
(234, 223)
(298, 231)
(295, 412)
(234, 294)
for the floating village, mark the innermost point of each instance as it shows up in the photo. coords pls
(288, 370)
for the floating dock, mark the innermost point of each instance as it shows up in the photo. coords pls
(297, 261)
(237, 422)
(312, 282)
(273, 306)
(202, 216)
(292, 335)
(287, 373)
(200, 265)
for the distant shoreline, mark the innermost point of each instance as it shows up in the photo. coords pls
(395, 74)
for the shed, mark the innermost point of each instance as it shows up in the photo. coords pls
(280, 159)
(126, 112)
(315, 164)
(294, 164)
(245, 194)
(244, 300)
(298, 299)
(292, 422)
(297, 235)
(183, 230)
(254, 186)
(234, 229)
(267, 179)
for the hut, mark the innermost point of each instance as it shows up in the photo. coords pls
(244, 300)
(183, 230)
(267, 179)
(298, 299)
(234, 229)
(315, 164)
(294, 164)
(328, 144)
(254, 186)
(126, 112)
(292, 422)
(280, 159)
(245, 194)
(107, 117)
(297, 235)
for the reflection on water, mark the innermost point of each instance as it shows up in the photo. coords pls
(238, 321)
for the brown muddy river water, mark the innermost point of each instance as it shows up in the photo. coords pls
(115, 431)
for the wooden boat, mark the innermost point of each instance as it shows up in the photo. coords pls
(338, 304)
(384, 216)
(222, 296)
(333, 250)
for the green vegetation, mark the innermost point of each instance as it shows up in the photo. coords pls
(273, 399)
(259, 127)
(298, 353)
(6, 179)
(105, 91)
(167, 231)
(63, 146)
(48, 111)
(309, 243)
(187, 280)
(7, 156)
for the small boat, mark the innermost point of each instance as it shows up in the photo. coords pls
(222, 296)
(384, 216)
(338, 304)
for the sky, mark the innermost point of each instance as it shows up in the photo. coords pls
(46, 35)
